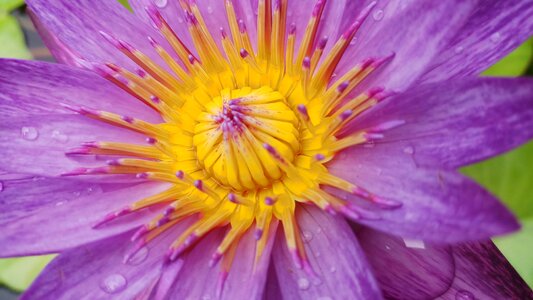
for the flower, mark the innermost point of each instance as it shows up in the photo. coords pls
(164, 153)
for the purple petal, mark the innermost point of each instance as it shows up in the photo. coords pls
(437, 205)
(335, 256)
(405, 269)
(402, 27)
(272, 288)
(44, 215)
(98, 270)
(37, 129)
(493, 30)
(77, 26)
(482, 272)
(456, 123)
(31, 87)
(243, 282)
(428, 271)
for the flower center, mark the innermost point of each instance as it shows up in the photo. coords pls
(247, 134)
(230, 135)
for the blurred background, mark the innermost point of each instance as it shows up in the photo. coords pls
(509, 176)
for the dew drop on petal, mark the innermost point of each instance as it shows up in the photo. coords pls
(308, 236)
(60, 137)
(180, 20)
(139, 257)
(1, 186)
(29, 133)
(303, 283)
(333, 269)
(324, 298)
(160, 3)
(459, 49)
(113, 284)
(378, 15)
(60, 203)
(495, 37)
(209, 9)
(409, 150)
(464, 295)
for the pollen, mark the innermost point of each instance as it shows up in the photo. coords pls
(249, 127)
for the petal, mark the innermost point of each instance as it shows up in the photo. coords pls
(77, 26)
(437, 205)
(492, 31)
(427, 271)
(245, 281)
(37, 144)
(482, 272)
(335, 256)
(45, 215)
(272, 288)
(407, 271)
(36, 129)
(32, 87)
(415, 31)
(99, 270)
(456, 123)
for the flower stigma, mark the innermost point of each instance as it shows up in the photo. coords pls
(247, 132)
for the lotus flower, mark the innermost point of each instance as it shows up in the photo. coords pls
(263, 149)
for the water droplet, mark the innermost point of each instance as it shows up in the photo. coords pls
(319, 230)
(77, 194)
(60, 203)
(409, 150)
(324, 298)
(459, 49)
(113, 284)
(160, 3)
(60, 137)
(353, 42)
(29, 133)
(378, 15)
(303, 283)
(139, 257)
(308, 236)
(495, 37)
(1, 186)
(209, 9)
(464, 295)
(180, 20)
(333, 269)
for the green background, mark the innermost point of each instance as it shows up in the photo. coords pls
(509, 176)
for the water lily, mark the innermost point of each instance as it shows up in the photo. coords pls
(249, 149)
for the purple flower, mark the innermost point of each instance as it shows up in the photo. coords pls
(227, 149)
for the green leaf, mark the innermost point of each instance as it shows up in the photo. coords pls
(9, 5)
(125, 3)
(517, 249)
(18, 273)
(510, 177)
(515, 64)
(12, 38)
